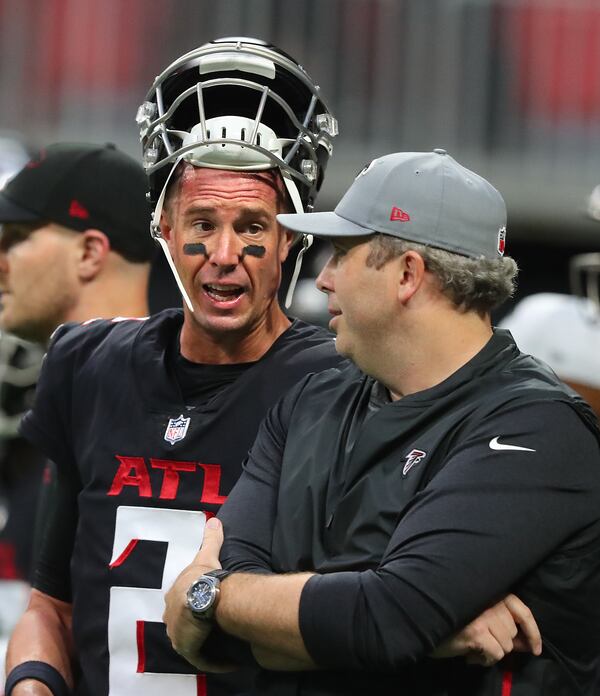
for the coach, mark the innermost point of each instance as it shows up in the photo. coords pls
(402, 495)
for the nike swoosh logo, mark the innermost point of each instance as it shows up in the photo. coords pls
(495, 445)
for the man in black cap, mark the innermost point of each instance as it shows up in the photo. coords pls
(74, 245)
(74, 242)
(403, 494)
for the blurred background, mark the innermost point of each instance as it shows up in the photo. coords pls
(511, 88)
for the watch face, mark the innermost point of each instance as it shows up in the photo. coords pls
(201, 595)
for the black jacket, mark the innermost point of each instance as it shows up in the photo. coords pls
(420, 513)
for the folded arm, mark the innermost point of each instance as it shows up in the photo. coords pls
(466, 541)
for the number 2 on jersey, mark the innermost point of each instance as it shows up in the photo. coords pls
(183, 531)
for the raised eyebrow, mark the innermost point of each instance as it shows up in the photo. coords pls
(204, 210)
(258, 213)
(243, 213)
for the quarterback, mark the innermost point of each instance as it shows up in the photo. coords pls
(148, 421)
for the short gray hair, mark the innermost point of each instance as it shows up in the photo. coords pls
(472, 284)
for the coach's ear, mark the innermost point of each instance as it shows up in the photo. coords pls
(94, 247)
(411, 274)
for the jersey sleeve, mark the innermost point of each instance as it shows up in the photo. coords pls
(46, 424)
(58, 505)
(248, 515)
(47, 427)
(485, 521)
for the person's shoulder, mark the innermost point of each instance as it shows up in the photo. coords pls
(81, 338)
(117, 330)
(306, 344)
(109, 339)
(335, 380)
(525, 380)
(302, 332)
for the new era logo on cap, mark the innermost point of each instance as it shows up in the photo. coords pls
(398, 215)
(77, 210)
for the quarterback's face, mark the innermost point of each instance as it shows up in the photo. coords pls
(228, 248)
(38, 282)
(361, 299)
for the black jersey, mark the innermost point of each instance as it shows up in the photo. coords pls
(420, 513)
(147, 465)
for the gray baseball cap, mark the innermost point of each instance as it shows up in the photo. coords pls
(424, 197)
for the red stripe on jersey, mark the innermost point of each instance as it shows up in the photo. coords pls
(507, 679)
(123, 557)
(141, 647)
(201, 685)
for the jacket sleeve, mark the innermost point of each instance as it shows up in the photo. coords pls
(248, 515)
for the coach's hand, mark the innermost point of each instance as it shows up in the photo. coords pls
(186, 632)
(507, 626)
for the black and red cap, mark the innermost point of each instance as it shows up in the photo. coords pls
(83, 186)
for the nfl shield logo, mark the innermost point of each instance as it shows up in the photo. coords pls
(176, 429)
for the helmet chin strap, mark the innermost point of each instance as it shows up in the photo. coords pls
(156, 233)
(307, 239)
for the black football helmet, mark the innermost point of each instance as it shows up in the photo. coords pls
(238, 103)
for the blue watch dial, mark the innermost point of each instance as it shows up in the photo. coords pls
(201, 595)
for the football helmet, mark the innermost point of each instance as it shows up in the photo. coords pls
(236, 103)
(593, 203)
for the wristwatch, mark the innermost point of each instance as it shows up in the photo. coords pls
(203, 593)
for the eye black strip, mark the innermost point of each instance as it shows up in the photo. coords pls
(195, 249)
(254, 250)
